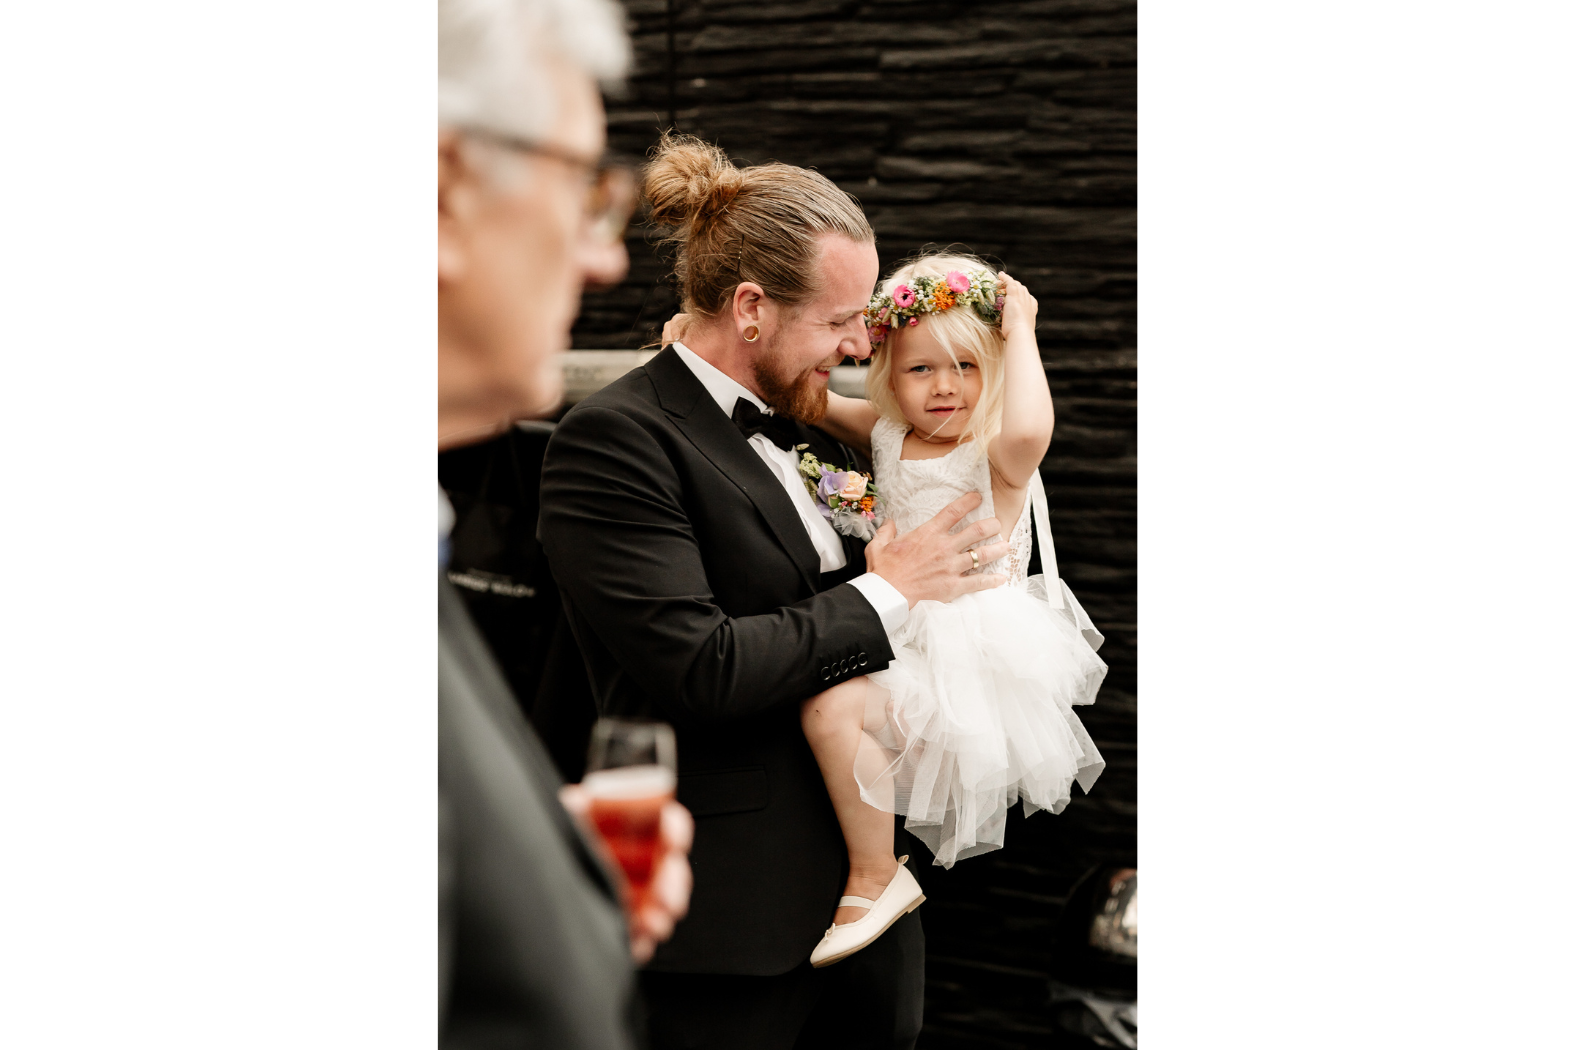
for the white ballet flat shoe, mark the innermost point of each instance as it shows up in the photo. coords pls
(901, 895)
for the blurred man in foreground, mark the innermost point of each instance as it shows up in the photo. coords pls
(534, 947)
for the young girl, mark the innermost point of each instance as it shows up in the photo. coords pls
(975, 710)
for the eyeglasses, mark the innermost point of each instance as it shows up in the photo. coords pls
(612, 190)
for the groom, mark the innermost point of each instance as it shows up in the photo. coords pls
(705, 590)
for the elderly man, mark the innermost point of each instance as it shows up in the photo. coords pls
(535, 949)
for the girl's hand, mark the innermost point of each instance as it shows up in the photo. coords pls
(673, 330)
(1021, 310)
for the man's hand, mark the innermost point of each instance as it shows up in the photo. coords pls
(671, 880)
(929, 562)
(673, 330)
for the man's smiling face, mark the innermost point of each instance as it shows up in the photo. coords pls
(794, 369)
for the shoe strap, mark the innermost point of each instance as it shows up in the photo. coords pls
(855, 902)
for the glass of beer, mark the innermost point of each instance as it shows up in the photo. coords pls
(631, 773)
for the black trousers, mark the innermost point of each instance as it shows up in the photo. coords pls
(872, 1000)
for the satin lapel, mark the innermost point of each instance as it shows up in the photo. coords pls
(694, 412)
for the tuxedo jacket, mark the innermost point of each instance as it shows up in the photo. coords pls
(532, 946)
(696, 597)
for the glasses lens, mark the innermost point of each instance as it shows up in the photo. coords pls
(611, 204)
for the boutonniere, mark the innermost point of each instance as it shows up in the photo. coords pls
(846, 498)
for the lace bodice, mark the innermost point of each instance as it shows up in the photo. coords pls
(915, 490)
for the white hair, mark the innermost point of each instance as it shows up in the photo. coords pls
(490, 72)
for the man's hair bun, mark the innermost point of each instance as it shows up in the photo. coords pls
(761, 224)
(689, 182)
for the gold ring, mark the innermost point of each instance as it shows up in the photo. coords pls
(975, 556)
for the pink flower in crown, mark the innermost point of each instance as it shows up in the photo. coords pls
(853, 487)
(902, 295)
(912, 321)
(958, 281)
(1000, 302)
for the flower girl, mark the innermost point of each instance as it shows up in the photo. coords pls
(975, 710)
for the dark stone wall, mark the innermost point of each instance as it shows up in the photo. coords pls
(1009, 128)
(1013, 131)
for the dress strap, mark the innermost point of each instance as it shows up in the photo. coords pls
(886, 442)
(1041, 508)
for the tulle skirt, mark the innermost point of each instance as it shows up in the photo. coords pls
(975, 712)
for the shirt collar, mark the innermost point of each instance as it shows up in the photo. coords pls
(445, 513)
(723, 388)
(445, 526)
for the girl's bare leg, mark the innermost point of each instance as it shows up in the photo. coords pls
(834, 726)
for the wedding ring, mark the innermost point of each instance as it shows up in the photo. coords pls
(975, 556)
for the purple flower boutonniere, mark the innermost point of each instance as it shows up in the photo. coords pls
(846, 498)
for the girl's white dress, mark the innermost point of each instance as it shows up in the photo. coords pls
(975, 711)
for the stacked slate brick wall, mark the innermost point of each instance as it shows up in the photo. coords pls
(1009, 128)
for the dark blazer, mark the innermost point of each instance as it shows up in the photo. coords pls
(696, 597)
(532, 946)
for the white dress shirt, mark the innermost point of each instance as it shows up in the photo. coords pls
(887, 601)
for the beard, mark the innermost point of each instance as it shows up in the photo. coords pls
(795, 396)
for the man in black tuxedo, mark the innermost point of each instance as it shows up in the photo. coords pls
(704, 589)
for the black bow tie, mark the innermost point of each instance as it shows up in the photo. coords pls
(751, 421)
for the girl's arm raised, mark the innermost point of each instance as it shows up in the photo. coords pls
(849, 420)
(1029, 415)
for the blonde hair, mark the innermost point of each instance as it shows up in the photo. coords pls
(954, 328)
(761, 224)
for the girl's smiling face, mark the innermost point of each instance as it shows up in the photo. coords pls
(935, 394)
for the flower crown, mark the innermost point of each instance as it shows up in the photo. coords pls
(928, 295)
